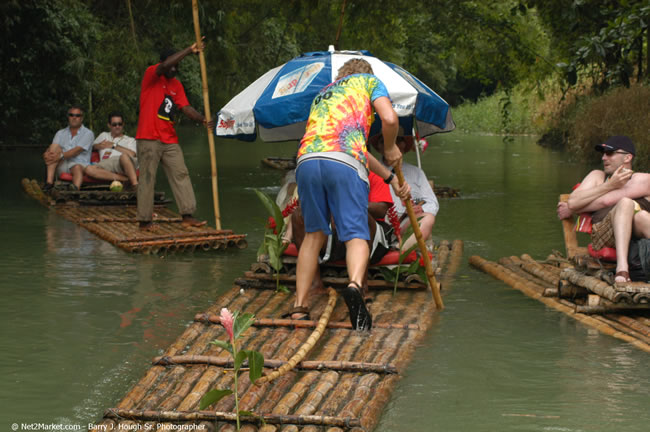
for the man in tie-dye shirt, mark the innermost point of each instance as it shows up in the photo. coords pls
(332, 176)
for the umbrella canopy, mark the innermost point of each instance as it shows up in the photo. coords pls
(278, 102)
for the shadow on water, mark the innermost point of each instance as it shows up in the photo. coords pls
(81, 320)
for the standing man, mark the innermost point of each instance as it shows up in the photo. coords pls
(117, 154)
(161, 96)
(70, 150)
(618, 199)
(332, 176)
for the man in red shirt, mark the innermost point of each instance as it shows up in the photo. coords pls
(161, 96)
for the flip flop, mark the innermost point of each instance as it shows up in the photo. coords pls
(622, 274)
(360, 318)
(298, 310)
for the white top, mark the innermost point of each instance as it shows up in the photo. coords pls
(124, 141)
(420, 190)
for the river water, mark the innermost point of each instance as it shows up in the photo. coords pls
(81, 319)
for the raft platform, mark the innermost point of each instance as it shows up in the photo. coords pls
(580, 286)
(343, 383)
(111, 216)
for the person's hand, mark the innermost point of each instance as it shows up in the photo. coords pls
(563, 211)
(620, 177)
(196, 48)
(209, 124)
(403, 191)
(51, 157)
(392, 155)
(106, 144)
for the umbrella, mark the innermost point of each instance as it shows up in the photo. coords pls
(277, 104)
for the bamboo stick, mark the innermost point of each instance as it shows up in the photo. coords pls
(182, 235)
(594, 285)
(435, 287)
(308, 345)
(632, 323)
(281, 322)
(334, 365)
(174, 416)
(208, 116)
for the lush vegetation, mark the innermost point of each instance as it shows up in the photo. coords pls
(531, 63)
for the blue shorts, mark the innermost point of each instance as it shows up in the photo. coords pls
(331, 188)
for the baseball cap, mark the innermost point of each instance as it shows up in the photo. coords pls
(617, 142)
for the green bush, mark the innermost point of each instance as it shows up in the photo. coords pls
(621, 111)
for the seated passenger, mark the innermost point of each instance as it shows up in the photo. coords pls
(70, 150)
(117, 154)
(425, 203)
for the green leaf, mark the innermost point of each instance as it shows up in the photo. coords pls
(246, 413)
(242, 322)
(223, 344)
(255, 363)
(389, 274)
(272, 208)
(284, 289)
(413, 267)
(213, 396)
(239, 359)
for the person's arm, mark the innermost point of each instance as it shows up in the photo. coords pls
(431, 204)
(637, 187)
(383, 172)
(101, 142)
(175, 58)
(594, 186)
(125, 150)
(196, 116)
(389, 126)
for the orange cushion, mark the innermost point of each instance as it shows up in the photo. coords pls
(391, 257)
(605, 254)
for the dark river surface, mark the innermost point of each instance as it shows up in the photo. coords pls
(81, 319)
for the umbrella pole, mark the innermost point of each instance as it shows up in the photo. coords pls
(208, 116)
(435, 286)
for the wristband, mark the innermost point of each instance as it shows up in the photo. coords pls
(390, 178)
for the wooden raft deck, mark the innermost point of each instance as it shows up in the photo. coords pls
(117, 224)
(343, 384)
(558, 284)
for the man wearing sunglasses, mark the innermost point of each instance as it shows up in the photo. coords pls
(618, 200)
(117, 154)
(70, 150)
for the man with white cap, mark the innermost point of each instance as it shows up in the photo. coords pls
(619, 200)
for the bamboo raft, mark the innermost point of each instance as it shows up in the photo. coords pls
(581, 287)
(111, 216)
(343, 383)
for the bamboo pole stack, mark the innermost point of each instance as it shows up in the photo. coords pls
(342, 383)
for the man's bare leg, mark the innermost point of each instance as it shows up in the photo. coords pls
(426, 228)
(77, 172)
(641, 225)
(307, 266)
(102, 174)
(622, 219)
(129, 169)
(50, 154)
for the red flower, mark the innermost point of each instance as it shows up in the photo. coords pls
(422, 264)
(227, 323)
(271, 224)
(391, 214)
(290, 207)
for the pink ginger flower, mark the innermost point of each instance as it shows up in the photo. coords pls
(227, 323)
(391, 214)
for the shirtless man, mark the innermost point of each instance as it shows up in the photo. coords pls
(619, 200)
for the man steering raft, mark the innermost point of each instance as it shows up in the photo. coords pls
(332, 177)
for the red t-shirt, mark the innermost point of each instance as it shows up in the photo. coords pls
(160, 99)
(379, 191)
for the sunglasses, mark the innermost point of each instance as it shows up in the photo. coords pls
(75, 115)
(117, 124)
(609, 153)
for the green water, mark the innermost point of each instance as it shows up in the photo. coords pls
(81, 320)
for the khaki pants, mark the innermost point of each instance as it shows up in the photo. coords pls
(150, 154)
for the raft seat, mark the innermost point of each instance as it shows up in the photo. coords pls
(391, 257)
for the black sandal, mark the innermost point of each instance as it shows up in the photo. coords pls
(360, 318)
(298, 310)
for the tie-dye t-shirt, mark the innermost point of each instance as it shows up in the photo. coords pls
(341, 115)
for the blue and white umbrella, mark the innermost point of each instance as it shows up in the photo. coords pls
(277, 104)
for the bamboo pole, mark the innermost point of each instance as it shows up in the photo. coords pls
(334, 365)
(372, 283)
(308, 345)
(175, 416)
(273, 322)
(435, 287)
(208, 116)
